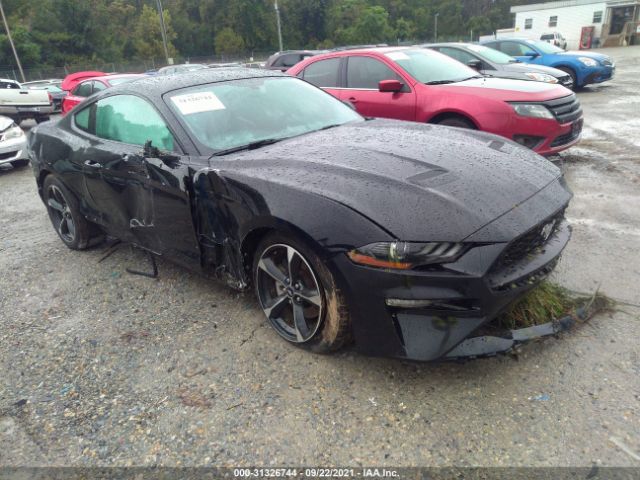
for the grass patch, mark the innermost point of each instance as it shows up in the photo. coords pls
(548, 302)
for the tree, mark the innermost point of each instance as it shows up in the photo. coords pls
(147, 34)
(228, 42)
(373, 26)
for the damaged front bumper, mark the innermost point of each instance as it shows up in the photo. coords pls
(459, 303)
(489, 345)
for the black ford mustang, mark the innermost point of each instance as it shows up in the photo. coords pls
(407, 237)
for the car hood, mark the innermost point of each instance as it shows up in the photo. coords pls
(415, 181)
(528, 67)
(506, 89)
(582, 53)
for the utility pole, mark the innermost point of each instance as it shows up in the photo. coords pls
(13, 47)
(275, 4)
(163, 31)
(435, 27)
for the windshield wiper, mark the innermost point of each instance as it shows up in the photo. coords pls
(438, 82)
(334, 125)
(471, 78)
(248, 146)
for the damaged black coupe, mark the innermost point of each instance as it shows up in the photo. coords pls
(405, 237)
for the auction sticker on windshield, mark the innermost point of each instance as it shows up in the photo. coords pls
(197, 102)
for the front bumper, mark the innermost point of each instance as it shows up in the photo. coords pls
(598, 74)
(552, 137)
(468, 294)
(12, 150)
(28, 111)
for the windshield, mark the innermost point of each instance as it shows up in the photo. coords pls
(492, 55)
(232, 114)
(545, 47)
(428, 66)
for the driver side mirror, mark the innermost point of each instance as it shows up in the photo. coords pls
(390, 86)
(532, 54)
(475, 64)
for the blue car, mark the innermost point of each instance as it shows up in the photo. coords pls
(584, 67)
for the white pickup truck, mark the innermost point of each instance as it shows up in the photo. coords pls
(20, 104)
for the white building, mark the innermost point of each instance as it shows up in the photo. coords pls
(615, 22)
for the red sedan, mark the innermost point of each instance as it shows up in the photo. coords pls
(88, 86)
(425, 86)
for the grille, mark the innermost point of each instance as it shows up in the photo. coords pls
(565, 109)
(528, 243)
(4, 156)
(566, 81)
(568, 137)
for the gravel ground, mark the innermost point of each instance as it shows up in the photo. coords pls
(104, 368)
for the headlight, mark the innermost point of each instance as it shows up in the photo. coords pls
(532, 110)
(541, 77)
(406, 255)
(13, 132)
(589, 62)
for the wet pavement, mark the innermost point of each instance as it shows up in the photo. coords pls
(104, 368)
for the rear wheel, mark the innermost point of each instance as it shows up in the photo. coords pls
(572, 74)
(298, 295)
(72, 228)
(456, 122)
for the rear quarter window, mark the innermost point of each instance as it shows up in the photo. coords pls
(323, 73)
(81, 119)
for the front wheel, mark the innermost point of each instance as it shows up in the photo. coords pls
(458, 122)
(299, 296)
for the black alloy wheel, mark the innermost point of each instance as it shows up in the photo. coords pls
(60, 214)
(289, 293)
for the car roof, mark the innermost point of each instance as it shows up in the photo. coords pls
(156, 86)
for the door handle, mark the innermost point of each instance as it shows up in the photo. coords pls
(353, 99)
(92, 164)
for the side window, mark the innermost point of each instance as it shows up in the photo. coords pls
(97, 86)
(512, 48)
(323, 73)
(367, 72)
(288, 60)
(460, 55)
(130, 119)
(82, 119)
(9, 84)
(83, 89)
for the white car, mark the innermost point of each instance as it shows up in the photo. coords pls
(556, 39)
(13, 143)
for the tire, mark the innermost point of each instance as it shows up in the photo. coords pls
(310, 293)
(42, 119)
(20, 163)
(72, 228)
(458, 122)
(572, 74)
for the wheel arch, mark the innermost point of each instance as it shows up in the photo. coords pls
(438, 117)
(254, 236)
